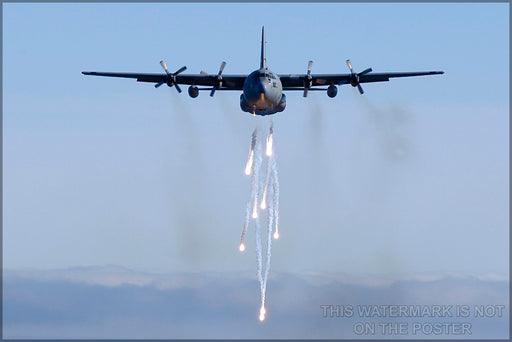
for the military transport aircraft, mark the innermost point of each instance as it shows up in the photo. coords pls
(262, 90)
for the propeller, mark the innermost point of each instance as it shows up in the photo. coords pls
(308, 81)
(219, 79)
(171, 78)
(354, 78)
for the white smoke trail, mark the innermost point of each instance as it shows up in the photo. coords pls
(249, 169)
(259, 257)
(270, 141)
(246, 225)
(273, 213)
(255, 190)
(250, 159)
(275, 190)
(268, 188)
(271, 178)
(255, 179)
(264, 196)
(270, 224)
(268, 152)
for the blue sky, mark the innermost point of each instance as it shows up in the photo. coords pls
(115, 166)
(411, 178)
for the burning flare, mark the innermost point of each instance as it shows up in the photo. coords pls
(248, 166)
(262, 313)
(255, 210)
(263, 205)
(242, 247)
(276, 235)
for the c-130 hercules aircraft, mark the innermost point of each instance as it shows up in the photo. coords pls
(262, 90)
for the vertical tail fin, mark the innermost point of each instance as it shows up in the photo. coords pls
(263, 60)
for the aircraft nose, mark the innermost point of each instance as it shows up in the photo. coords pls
(264, 87)
(261, 87)
(257, 93)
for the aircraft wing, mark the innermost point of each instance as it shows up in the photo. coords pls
(296, 82)
(229, 82)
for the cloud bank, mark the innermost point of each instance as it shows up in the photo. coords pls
(115, 302)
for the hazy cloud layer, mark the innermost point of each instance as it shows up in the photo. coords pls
(113, 302)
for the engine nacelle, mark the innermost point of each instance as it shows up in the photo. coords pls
(244, 105)
(193, 91)
(332, 91)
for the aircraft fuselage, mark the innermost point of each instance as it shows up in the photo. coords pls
(262, 93)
